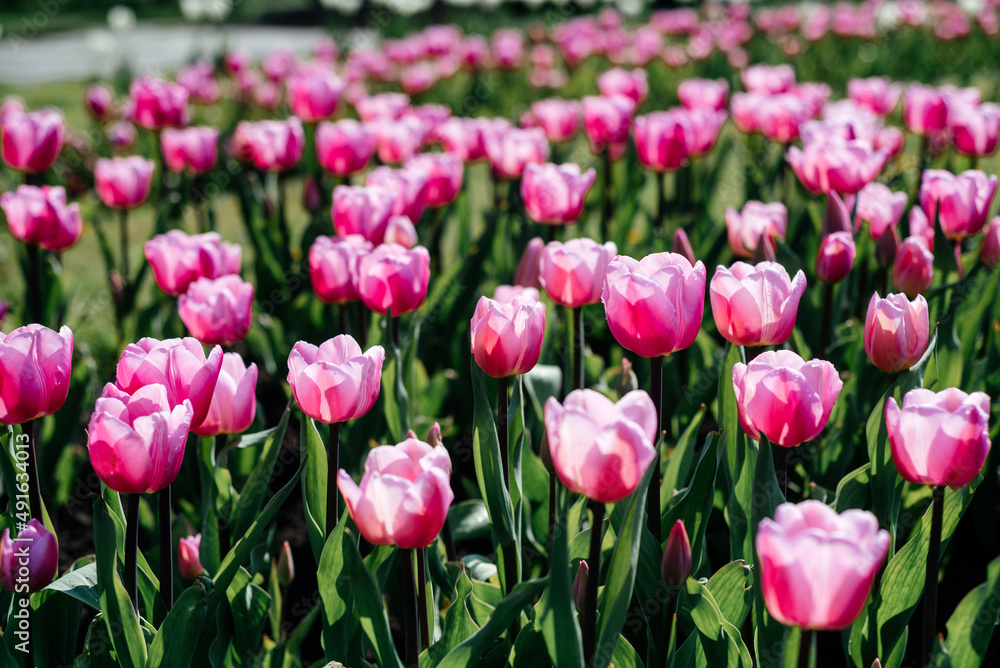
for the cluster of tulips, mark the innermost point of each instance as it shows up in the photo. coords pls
(385, 180)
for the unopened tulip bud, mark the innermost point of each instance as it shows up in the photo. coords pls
(888, 244)
(286, 565)
(876, 664)
(989, 252)
(312, 199)
(29, 562)
(838, 214)
(627, 381)
(434, 435)
(765, 251)
(580, 585)
(682, 245)
(676, 565)
(187, 557)
(836, 257)
(526, 273)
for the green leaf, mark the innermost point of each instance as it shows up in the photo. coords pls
(616, 599)
(396, 401)
(469, 520)
(732, 588)
(182, 628)
(122, 622)
(335, 594)
(720, 641)
(314, 484)
(770, 634)
(255, 489)
(369, 608)
(489, 470)
(854, 490)
(696, 502)
(458, 624)
(972, 624)
(558, 621)
(681, 460)
(81, 584)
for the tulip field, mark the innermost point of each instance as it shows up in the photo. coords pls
(667, 338)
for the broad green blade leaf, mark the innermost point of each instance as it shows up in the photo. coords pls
(458, 624)
(369, 608)
(335, 594)
(314, 484)
(469, 520)
(558, 621)
(681, 461)
(732, 588)
(489, 470)
(81, 584)
(974, 621)
(177, 640)
(396, 401)
(696, 502)
(720, 641)
(770, 634)
(255, 490)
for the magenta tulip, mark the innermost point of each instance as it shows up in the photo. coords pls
(123, 183)
(335, 382)
(601, 449)
(344, 148)
(675, 567)
(394, 278)
(939, 438)
(274, 145)
(606, 121)
(407, 185)
(29, 562)
(158, 104)
(35, 368)
(462, 137)
(188, 561)
(178, 259)
(558, 118)
(755, 305)
(890, 140)
(661, 141)
(217, 311)
(701, 128)
(179, 365)
(632, 85)
(817, 567)
(136, 441)
(913, 267)
(961, 202)
(404, 496)
(99, 100)
(199, 80)
(32, 140)
(234, 402)
(333, 267)
(768, 78)
(974, 129)
(572, 273)
(783, 397)
(924, 110)
(708, 94)
(879, 94)
(654, 306)
(401, 230)
(843, 167)
(989, 252)
(896, 331)
(444, 172)
(192, 149)
(399, 139)
(363, 210)
(880, 208)
(756, 222)
(511, 149)
(555, 194)
(835, 257)
(507, 336)
(313, 92)
(384, 106)
(40, 216)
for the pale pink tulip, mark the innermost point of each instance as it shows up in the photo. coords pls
(896, 331)
(755, 305)
(335, 382)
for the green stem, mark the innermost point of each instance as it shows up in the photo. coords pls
(931, 578)
(130, 569)
(223, 524)
(805, 648)
(332, 495)
(578, 344)
(412, 649)
(34, 297)
(123, 241)
(34, 488)
(425, 629)
(653, 493)
(589, 621)
(166, 549)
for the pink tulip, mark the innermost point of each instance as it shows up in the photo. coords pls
(344, 148)
(99, 100)
(768, 78)
(507, 45)
(844, 167)
(555, 194)
(507, 336)
(777, 116)
(755, 305)
(136, 441)
(707, 94)
(335, 382)
(835, 257)
(701, 128)
(39, 215)
(178, 259)
(817, 567)
(572, 273)
(234, 402)
(511, 149)
(675, 567)
(275, 146)
(199, 80)
(32, 140)
(879, 94)
(313, 92)
(400, 230)
(606, 121)
(880, 208)
(419, 77)
(286, 565)
(35, 368)
(601, 449)
(757, 221)
(407, 185)
(654, 306)
(896, 331)
(179, 365)
(333, 267)
(974, 129)
(363, 210)
(404, 496)
(29, 562)
(632, 85)
(122, 135)
(193, 149)
(158, 104)
(961, 202)
(399, 139)
(913, 268)
(526, 273)
(278, 64)
(384, 106)
(188, 561)
(661, 141)
(783, 397)
(941, 438)
(237, 61)
(462, 137)
(558, 118)
(890, 140)
(394, 278)
(123, 183)
(267, 96)
(444, 173)
(508, 293)
(924, 110)
(217, 311)
(989, 252)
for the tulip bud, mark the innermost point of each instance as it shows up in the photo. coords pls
(876, 664)
(888, 244)
(838, 214)
(765, 251)
(286, 565)
(187, 557)
(627, 381)
(836, 257)
(676, 565)
(913, 269)
(580, 585)
(989, 252)
(682, 245)
(526, 273)
(39, 546)
(312, 199)
(434, 435)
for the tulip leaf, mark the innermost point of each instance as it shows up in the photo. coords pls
(486, 453)
(854, 490)
(123, 627)
(617, 597)
(720, 640)
(558, 620)
(681, 461)
(469, 520)
(335, 594)
(81, 584)
(314, 484)
(972, 624)
(770, 634)
(458, 624)
(59, 615)
(732, 589)
(396, 402)
(255, 489)
(471, 651)
(369, 608)
(177, 640)
(695, 504)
